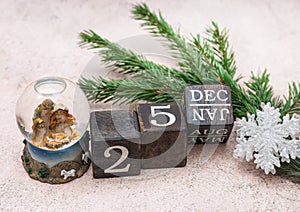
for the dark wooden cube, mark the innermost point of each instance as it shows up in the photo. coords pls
(209, 113)
(163, 135)
(115, 144)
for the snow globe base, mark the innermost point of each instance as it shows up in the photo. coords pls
(56, 167)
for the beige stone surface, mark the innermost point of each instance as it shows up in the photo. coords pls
(39, 38)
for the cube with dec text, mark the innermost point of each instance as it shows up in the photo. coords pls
(209, 113)
(163, 135)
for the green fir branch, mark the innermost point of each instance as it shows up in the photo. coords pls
(215, 49)
(241, 102)
(190, 57)
(260, 91)
(290, 170)
(220, 46)
(99, 89)
(155, 86)
(127, 62)
(292, 101)
(118, 58)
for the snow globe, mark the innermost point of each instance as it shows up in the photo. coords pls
(53, 115)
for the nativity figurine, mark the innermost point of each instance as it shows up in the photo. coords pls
(53, 126)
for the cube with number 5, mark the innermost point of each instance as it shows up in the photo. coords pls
(163, 135)
(115, 143)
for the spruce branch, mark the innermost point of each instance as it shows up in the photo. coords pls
(220, 45)
(190, 57)
(260, 91)
(99, 89)
(155, 86)
(215, 49)
(241, 102)
(127, 62)
(118, 58)
(292, 101)
(290, 170)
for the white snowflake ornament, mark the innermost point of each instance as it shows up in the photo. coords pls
(268, 139)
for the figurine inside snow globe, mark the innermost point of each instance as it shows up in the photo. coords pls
(53, 115)
(53, 126)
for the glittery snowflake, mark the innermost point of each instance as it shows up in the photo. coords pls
(267, 138)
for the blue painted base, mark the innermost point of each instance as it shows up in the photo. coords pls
(52, 158)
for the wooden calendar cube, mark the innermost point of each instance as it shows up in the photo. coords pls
(115, 144)
(209, 113)
(163, 135)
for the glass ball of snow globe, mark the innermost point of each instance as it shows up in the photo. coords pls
(53, 115)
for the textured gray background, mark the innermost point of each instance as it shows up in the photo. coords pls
(39, 38)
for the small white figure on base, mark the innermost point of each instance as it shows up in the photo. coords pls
(67, 174)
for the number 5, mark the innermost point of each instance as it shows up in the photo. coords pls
(172, 118)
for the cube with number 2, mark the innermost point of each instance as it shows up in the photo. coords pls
(115, 143)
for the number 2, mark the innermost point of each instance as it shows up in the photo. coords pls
(123, 157)
(171, 116)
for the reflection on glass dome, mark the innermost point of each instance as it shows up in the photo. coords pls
(52, 113)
